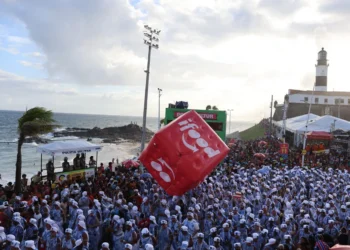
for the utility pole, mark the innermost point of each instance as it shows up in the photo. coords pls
(151, 41)
(229, 122)
(159, 95)
(271, 106)
(306, 127)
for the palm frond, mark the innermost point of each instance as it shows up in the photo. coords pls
(36, 121)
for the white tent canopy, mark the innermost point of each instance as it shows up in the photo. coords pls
(68, 147)
(295, 123)
(325, 124)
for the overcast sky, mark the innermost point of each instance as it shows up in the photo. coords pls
(87, 56)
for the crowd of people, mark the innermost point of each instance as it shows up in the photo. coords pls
(241, 205)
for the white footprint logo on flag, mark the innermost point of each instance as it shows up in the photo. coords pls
(159, 168)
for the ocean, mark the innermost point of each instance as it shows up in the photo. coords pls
(31, 159)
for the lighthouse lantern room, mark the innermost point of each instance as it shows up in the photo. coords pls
(321, 71)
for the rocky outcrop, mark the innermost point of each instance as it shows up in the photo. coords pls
(130, 132)
(35, 139)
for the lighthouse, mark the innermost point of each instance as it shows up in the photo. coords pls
(321, 71)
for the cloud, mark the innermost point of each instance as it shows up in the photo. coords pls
(335, 7)
(31, 64)
(281, 7)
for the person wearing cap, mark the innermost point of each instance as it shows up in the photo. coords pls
(226, 237)
(237, 246)
(105, 246)
(32, 231)
(54, 241)
(130, 236)
(15, 245)
(146, 238)
(153, 226)
(16, 229)
(30, 245)
(93, 227)
(164, 236)
(68, 242)
(183, 236)
(271, 244)
(149, 247)
(2, 235)
(248, 244)
(190, 223)
(7, 243)
(217, 243)
(174, 224)
(81, 233)
(200, 244)
(84, 203)
(81, 245)
(128, 247)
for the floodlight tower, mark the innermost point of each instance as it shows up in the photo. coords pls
(151, 40)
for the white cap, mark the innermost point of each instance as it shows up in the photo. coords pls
(184, 228)
(249, 240)
(106, 245)
(10, 237)
(272, 241)
(78, 242)
(54, 229)
(15, 244)
(149, 247)
(144, 231)
(69, 230)
(82, 224)
(255, 235)
(29, 244)
(128, 246)
(33, 221)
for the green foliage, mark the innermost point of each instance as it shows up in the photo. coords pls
(36, 121)
(252, 133)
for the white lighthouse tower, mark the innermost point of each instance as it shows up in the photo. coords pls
(321, 71)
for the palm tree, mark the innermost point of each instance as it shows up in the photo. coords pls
(215, 108)
(34, 122)
(208, 107)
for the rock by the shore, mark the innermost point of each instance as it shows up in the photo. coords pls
(130, 132)
(36, 140)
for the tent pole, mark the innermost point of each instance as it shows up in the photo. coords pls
(41, 166)
(96, 162)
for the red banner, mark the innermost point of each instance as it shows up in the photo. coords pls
(284, 148)
(205, 116)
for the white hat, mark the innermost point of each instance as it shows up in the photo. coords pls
(249, 240)
(78, 242)
(163, 201)
(255, 235)
(213, 229)
(163, 222)
(33, 221)
(2, 229)
(184, 228)
(271, 241)
(200, 235)
(10, 237)
(54, 229)
(69, 230)
(184, 245)
(29, 244)
(225, 225)
(82, 224)
(90, 211)
(144, 231)
(128, 246)
(149, 247)
(106, 245)
(216, 239)
(16, 244)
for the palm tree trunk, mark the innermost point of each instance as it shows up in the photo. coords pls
(19, 164)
